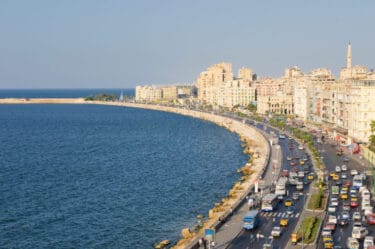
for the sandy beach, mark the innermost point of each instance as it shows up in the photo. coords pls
(254, 143)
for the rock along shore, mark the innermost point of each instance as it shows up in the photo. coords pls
(255, 145)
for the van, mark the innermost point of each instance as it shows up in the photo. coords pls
(359, 232)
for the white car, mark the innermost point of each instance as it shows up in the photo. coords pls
(359, 232)
(334, 201)
(354, 172)
(344, 168)
(300, 147)
(332, 219)
(368, 241)
(276, 231)
(357, 216)
(338, 169)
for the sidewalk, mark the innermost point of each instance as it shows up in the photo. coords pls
(233, 225)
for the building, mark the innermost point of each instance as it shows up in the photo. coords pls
(217, 86)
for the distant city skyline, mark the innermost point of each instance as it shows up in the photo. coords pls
(121, 44)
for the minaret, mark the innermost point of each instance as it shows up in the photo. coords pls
(349, 57)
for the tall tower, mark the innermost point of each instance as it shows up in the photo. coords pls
(349, 56)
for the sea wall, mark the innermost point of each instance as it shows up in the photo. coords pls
(254, 144)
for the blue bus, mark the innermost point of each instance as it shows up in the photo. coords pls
(251, 220)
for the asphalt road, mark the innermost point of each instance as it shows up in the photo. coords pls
(249, 239)
(328, 151)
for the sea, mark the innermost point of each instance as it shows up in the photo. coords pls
(92, 176)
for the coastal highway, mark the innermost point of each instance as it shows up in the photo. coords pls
(262, 235)
(328, 151)
(258, 237)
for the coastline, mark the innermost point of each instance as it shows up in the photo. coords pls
(254, 143)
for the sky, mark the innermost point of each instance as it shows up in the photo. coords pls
(121, 44)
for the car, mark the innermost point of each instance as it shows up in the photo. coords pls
(352, 243)
(285, 173)
(276, 231)
(344, 176)
(326, 232)
(334, 201)
(301, 174)
(328, 244)
(347, 183)
(343, 221)
(356, 216)
(300, 147)
(345, 215)
(344, 196)
(338, 169)
(332, 173)
(359, 232)
(335, 177)
(344, 167)
(290, 210)
(371, 219)
(282, 136)
(301, 162)
(345, 159)
(353, 172)
(284, 222)
(330, 226)
(368, 241)
(332, 219)
(353, 190)
(346, 206)
(295, 196)
(363, 176)
(288, 202)
(353, 203)
(292, 163)
(327, 237)
(332, 209)
(310, 176)
(289, 158)
(306, 168)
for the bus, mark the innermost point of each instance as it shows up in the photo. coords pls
(269, 202)
(251, 220)
(357, 181)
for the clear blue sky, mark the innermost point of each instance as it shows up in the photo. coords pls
(103, 44)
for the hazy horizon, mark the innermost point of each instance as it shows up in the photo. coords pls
(120, 44)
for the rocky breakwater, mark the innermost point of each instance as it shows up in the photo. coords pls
(253, 143)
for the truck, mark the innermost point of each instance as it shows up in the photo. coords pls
(280, 189)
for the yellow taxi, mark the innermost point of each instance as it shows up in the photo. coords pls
(288, 202)
(331, 174)
(345, 189)
(284, 222)
(344, 196)
(310, 176)
(328, 244)
(302, 162)
(327, 238)
(335, 177)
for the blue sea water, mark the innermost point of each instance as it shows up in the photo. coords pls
(91, 176)
(61, 93)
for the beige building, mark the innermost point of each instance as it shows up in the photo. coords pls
(279, 103)
(148, 93)
(217, 86)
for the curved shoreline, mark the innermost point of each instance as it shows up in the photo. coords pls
(256, 145)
